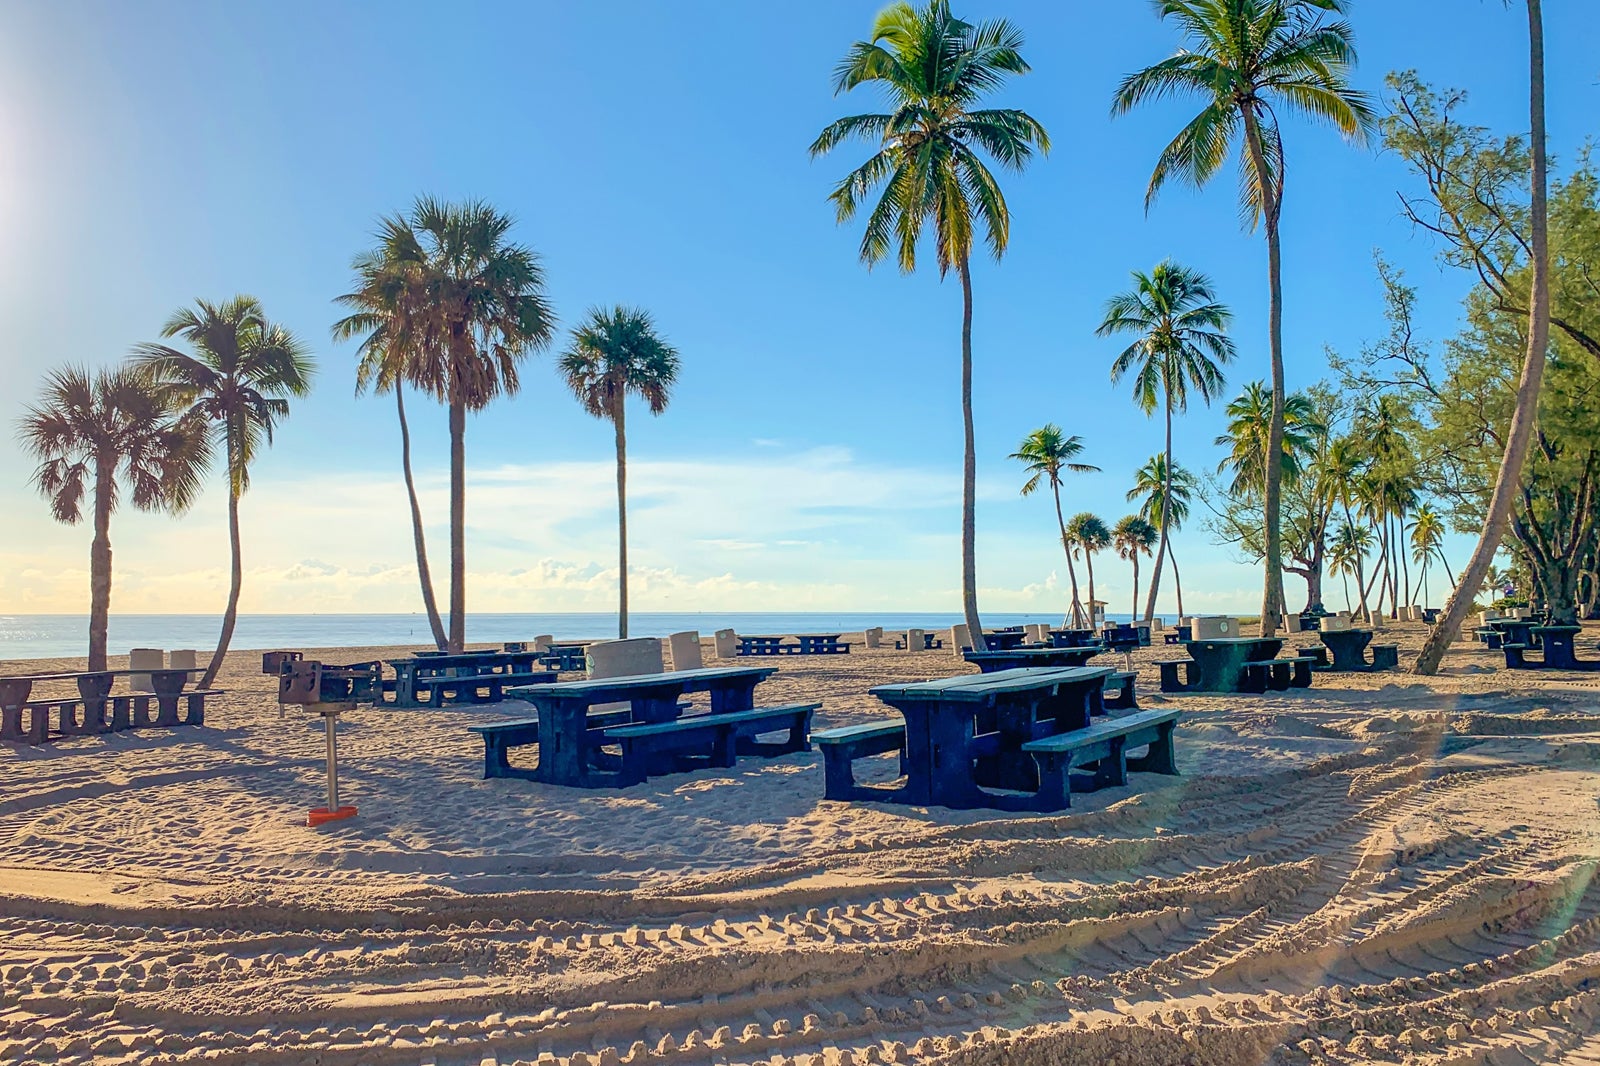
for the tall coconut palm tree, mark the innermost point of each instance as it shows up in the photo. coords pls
(1133, 536)
(1046, 453)
(1344, 470)
(935, 69)
(387, 354)
(94, 434)
(614, 353)
(469, 307)
(1249, 437)
(1088, 533)
(1427, 544)
(1180, 337)
(239, 379)
(1350, 546)
(1519, 435)
(1153, 486)
(1250, 61)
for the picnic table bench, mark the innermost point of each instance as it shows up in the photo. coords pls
(1348, 647)
(1179, 635)
(1560, 651)
(572, 739)
(1277, 674)
(129, 710)
(667, 747)
(1106, 745)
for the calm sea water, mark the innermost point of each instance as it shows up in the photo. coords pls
(49, 636)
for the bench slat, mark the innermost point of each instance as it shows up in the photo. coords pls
(700, 721)
(1115, 727)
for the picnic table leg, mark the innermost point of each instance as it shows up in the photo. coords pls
(737, 695)
(1055, 784)
(561, 754)
(1112, 771)
(1160, 759)
(94, 689)
(14, 693)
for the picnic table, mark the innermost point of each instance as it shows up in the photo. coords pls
(131, 710)
(1522, 631)
(1073, 638)
(965, 734)
(1348, 648)
(1560, 650)
(564, 656)
(805, 644)
(993, 661)
(433, 679)
(571, 738)
(1218, 664)
(1004, 639)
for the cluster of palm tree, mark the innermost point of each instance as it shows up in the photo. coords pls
(445, 304)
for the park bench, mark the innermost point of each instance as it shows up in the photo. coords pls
(1169, 674)
(1119, 694)
(662, 747)
(1104, 743)
(841, 747)
(1277, 674)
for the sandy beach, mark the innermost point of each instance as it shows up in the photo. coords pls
(1380, 868)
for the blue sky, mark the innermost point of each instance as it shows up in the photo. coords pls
(655, 153)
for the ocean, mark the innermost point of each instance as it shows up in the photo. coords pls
(50, 636)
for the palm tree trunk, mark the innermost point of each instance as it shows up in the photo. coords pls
(1344, 575)
(1166, 507)
(423, 574)
(618, 422)
(1072, 571)
(1446, 564)
(231, 615)
(1405, 564)
(100, 565)
(1522, 418)
(1177, 579)
(1361, 567)
(1135, 604)
(969, 471)
(458, 522)
(1088, 560)
(1272, 604)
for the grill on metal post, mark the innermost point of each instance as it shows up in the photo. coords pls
(328, 691)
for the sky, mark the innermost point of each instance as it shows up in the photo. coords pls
(655, 153)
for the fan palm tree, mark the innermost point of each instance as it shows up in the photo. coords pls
(1180, 335)
(1133, 536)
(935, 69)
(1087, 533)
(386, 355)
(1046, 453)
(1153, 486)
(1249, 437)
(239, 380)
(95, 433)
(1350, 546)
(468, 306)
(1248, 61)
(1519, 435)
(614, 353)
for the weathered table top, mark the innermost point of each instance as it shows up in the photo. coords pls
(975, 688)
(609, 689)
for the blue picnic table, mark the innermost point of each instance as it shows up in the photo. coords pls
(964, 735)
(805, 644)
(994, 661)
(433, 679)
(1560, 650)
(572, 736)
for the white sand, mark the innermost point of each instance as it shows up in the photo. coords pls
(1377, 869)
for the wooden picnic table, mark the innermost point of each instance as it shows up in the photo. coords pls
(964, 734)
(993, 661)
(569, 746)
(422, 674)
(1219, 661)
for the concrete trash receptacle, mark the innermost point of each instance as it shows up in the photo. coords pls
(145, 659)
(914, 640)
(960, 639)
(727, 643)
(686, 650)
(873, 636)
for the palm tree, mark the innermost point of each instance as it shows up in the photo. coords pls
(1344, 469)
(92, 434)
(1181, 336)
(388, 353)
(935, 69)
(1133, 535)
(615, 353)
(467, 307)
(1087, 533)
(1152, 487)
(1519, 435)
(1247, 60)
(1427, 544)
(243, 371)
(1249, 437)
(1350, 546)
(1047, 452)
